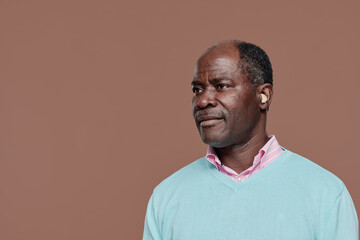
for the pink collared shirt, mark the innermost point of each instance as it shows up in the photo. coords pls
(267, 154)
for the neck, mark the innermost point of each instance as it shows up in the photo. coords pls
(241, 157)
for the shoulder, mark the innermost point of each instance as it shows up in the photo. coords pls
(184, 176)
(183, 182)
(309, 175)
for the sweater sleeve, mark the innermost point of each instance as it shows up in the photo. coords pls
(341, 222)
(151, 228)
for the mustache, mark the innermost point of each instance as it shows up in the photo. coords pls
(207, 114)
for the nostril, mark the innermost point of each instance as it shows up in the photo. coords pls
(198, 106)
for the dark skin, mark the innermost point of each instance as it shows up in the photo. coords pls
(227, 107)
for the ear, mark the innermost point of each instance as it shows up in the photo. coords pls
(264, 93)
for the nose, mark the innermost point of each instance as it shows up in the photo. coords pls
(206, 99)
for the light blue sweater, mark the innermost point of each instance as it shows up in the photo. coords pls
(291, 199)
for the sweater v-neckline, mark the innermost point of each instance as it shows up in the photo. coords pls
(237, 186)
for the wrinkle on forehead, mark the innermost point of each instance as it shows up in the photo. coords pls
(224, 65)
(216, 64)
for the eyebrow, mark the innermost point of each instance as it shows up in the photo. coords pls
(213, 81)
(196, 82)
(216, 80)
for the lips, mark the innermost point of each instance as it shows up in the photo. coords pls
(207, 121)
(210, 122)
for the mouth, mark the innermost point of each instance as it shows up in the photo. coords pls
(209, 121)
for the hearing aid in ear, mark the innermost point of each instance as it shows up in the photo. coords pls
(263, 98)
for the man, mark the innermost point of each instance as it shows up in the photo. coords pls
(248, 186)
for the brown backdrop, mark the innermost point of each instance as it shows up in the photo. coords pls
(95, 101)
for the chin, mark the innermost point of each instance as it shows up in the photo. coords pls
(213, 141)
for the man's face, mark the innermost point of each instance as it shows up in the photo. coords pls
(224, 105)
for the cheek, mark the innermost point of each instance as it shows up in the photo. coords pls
(193, 102)
(234, 102)
(242, 109)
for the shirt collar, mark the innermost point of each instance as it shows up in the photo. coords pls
(258, 159)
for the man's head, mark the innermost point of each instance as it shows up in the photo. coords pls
(230, 84)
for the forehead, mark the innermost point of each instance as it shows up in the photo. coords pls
(221, 60)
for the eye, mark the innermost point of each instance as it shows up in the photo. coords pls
(196, 90)
(221, 86)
